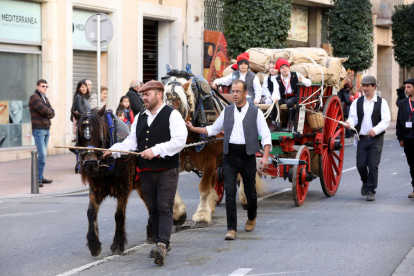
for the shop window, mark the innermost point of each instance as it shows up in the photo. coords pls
(19, 73)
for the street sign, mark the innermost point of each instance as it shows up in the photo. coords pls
(99, 31)
(91, 29)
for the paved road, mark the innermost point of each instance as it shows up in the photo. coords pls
(342, 235)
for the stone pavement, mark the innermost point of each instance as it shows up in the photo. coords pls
(15, 177)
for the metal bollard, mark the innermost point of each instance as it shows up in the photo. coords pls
(35, 173)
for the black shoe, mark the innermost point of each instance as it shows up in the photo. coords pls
(154, 249)
(364, 189)
(46, 181)
(370, 196)
(40, 183)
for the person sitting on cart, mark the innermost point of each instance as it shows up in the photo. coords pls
(242, 123)
(268, 88)
(286, 89)
(254, 88)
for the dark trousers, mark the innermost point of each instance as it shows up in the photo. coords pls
(409, 153)
(159, 189)
(368, 159)
(232, 166)
(290, 102)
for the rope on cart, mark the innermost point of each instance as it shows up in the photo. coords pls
(317, 65)
(340, 122)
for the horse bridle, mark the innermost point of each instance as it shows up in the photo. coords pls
(173, 96)
(87, 136)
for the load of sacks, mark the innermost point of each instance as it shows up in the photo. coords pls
(300, 60)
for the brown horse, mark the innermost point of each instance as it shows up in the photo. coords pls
(182, 98)
(119, 182)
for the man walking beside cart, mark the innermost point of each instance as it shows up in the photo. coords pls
(242, 123)
(370, 115)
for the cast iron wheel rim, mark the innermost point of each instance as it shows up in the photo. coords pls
(219, 187)
(331, 161)
(299, 191)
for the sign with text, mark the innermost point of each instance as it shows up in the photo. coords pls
(20, 22)
(299, 24)
(79, 40)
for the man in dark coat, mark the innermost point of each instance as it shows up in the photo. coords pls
(405, 133)
(41, 112)
(135, 99)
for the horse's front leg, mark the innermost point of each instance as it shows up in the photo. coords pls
(208, 196)
(120, 238)
(93, 231)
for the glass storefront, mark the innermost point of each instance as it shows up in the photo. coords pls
(19, 73)
(20, 26)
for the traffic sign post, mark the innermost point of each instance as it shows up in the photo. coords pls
(99, 31)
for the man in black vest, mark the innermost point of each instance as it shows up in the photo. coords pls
(405, 122)
(371, 116)
(242, 123)
(159, 133)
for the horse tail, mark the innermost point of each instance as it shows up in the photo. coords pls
(260, 186)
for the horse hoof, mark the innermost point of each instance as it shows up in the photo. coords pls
(244, 206)
(201, 224)
(96, 253)
(116, 250)
(181, 220)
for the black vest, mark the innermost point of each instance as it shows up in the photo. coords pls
(376, 113)
(293, 83)
(158, 132)
(270, 84)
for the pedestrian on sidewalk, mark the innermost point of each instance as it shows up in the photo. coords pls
(135, 98)
(405, 132)
(159, 175)
(370, 115)
(41, 112)
(242, 123)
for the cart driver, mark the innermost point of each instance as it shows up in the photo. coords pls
(254, 88)
(242, 123)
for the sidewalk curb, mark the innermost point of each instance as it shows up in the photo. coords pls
(406, 267)
(67, 192)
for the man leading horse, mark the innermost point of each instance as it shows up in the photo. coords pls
(158, 165)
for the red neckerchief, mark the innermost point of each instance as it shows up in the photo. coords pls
(286, 88)
(412, 109)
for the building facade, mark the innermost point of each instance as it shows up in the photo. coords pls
(46, 39)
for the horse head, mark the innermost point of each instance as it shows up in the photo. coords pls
(92, 132)
(178, 95)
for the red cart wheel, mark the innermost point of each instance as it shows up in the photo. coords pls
(300, 184)
(332, 158)
(219, 187)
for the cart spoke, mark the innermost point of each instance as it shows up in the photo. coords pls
(335, 166)
(337, 133)
(337, 156)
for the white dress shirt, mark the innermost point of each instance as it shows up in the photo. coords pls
(227, 80)
(237, 134)
(276, 86)
(178, 132)
(367, 121)
(265, 90)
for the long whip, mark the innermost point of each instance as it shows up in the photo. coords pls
(340, 122)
